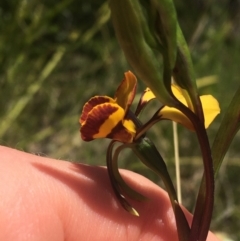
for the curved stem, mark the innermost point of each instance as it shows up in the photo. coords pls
(114, 184)
(110, 167)
(118, 178)
(203, 210)
(226, 132)
(204, 204)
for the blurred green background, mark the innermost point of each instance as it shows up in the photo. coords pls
(55, 55)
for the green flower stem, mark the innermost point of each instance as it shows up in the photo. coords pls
(204, 206)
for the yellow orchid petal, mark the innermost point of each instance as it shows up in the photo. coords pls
(120, 133)
(129, 125)
(105, 121)
(94, 101)
(145, 98)
(177, 91)
(126, 91)
(101, 120)
(174, 114)
(182, 96)
(210, 110)
(116, 114)
(147, 95)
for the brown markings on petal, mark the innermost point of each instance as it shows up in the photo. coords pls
(120, 133)
(94, 101)
(98, 115)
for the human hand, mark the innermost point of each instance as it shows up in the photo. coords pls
(47, 199)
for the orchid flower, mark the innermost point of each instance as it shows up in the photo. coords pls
(106, 117)
(210, 109)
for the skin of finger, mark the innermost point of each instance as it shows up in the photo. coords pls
(47, 199)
